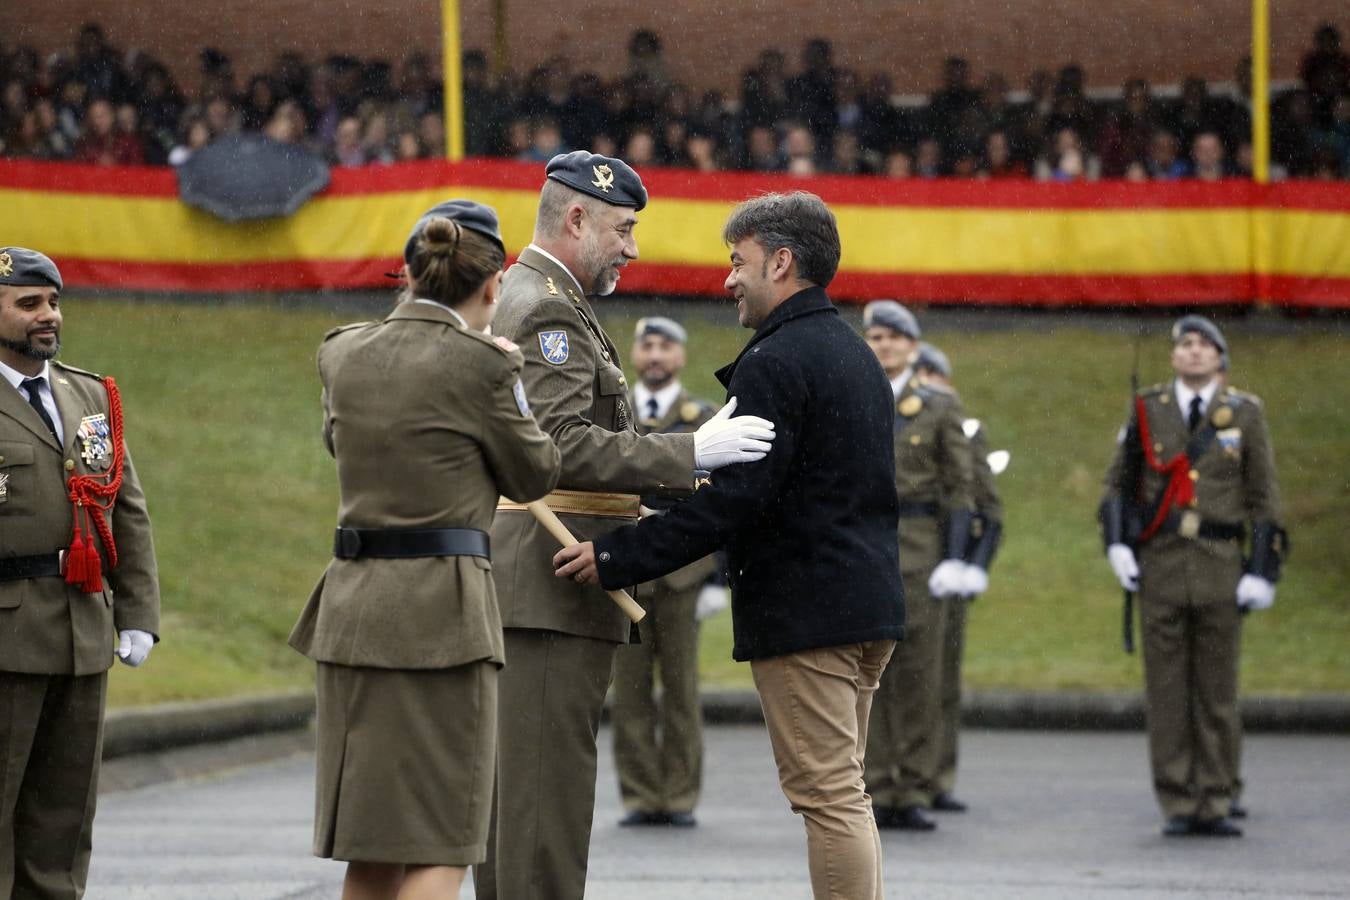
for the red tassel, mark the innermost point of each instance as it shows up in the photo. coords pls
(93, 568)
(75, 564)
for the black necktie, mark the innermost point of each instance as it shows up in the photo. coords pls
(30, 386)
(1194, 418)
(651, 407)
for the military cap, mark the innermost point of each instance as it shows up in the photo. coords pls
(667, 328)
(22, 267)
(1194, 324)
(470, 215)
(889, 314)
(604, 177)
(931, 358)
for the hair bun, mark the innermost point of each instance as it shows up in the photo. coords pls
(442, 235)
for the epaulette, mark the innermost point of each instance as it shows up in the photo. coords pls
(940, 388)
(490, 340)
(342, 328)
(1154, 389)
(74, 371)
(1244, 397)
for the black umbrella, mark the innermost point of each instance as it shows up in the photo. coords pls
(250, 176)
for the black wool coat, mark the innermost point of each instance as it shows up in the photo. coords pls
(810, 530)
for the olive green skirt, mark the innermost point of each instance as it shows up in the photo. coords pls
(405, 761)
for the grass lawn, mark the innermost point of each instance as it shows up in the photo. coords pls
(223, 421)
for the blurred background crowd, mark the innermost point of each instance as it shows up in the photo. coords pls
(100, 104)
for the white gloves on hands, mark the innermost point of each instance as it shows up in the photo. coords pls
(948, 578)
(974, 581)
(1123, 564)
(722, 440)
(134, 646)
(1255, 592)
(712, 599)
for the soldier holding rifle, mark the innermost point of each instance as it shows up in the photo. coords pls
(1193, 470)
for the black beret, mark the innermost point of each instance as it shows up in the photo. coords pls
(28, 268)
(608, 179)
(889, 314)
(931, 358)
(667, 328)
(1201, 326)
(470, 215)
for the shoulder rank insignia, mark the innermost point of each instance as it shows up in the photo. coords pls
(604, 177)
(910, 406)
(1222, 417)
(95, 445)
(689, 411)
(552, 288)
(554, 346)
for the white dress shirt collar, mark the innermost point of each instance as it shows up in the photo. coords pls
(1185, 395)
(665, 398)
(45, 395)
(898, 382)
(542, 252)
(16, 378)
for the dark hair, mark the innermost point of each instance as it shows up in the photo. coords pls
(450, 262)
(799, 222)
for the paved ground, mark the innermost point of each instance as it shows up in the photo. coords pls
(1056, 815)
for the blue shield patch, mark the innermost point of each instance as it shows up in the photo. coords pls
(554, 346)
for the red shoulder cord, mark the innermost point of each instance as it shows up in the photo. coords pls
(1180, 491)
(91, 495)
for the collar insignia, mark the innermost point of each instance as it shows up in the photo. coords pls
(552, 288)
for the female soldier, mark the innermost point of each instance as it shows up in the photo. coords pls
(428, 421)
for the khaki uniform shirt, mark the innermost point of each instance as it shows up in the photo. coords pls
(46, 625)
(933, 464)
(580, 398)
(429, 424)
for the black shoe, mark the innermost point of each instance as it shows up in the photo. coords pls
(641, 817)
(911, 818)
(681, 820)
(1178, 826)
(1236, 810)
(945, 802)
(1220, 827)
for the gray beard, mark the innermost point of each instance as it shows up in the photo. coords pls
(26, 348)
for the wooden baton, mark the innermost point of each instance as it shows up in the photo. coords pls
(549, 519)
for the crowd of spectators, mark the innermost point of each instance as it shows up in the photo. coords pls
(96, 104)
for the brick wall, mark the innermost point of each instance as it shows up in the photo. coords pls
(708, 42)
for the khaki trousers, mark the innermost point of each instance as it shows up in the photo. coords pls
(816, 705)
(51, 743)
(953, 651)
(905, 735)
(550, 695)
(658, 748)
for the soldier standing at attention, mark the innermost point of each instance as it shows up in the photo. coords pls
(659, 779)
(67, 596)
(429, 424)
(1193, 469)
(986, 529)
(934, 479)
(561, 636)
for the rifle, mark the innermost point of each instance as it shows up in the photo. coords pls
(1128, 487)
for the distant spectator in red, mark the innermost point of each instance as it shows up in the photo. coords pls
(999, 163)
(103, 143)
(1207, 157)
(1164, 161)
(1325, 71)
(1127, 134)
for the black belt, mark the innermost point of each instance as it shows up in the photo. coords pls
(15, 568)
(1208, 528)
(407, 543)
(919, 510)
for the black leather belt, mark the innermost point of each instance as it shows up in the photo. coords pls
(408, 543)
(1177, 523)
(16, 568)
(919, 510)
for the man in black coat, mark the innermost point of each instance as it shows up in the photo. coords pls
(809, 530)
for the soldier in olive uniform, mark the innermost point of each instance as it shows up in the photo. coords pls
(64, 597)
(934, 479)
(428, 421)
(659, 779)
(986, 530)
(1194, 468)
(561, 636)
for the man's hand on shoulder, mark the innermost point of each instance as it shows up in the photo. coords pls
(724, 439)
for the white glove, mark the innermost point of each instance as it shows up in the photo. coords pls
(134, 646)
(722, 440)
(947, 579)
(1255, 592)
(712, 599)
(1123, 564)
(974, 581)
